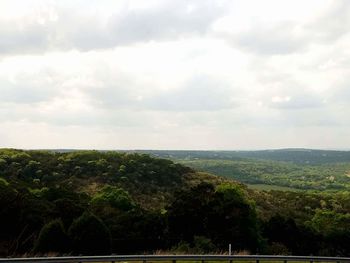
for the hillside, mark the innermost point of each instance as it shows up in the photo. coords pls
(291, 168)
(38, 187)
(151, 181)
(296, 156)
(90, 202)
(305, 177)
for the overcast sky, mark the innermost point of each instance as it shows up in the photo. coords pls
(184, 74)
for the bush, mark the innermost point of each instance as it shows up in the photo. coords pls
(115, 197)
(182, 247)
(52, 238)
(90, 236)
(276, 248)
(200, 245)
(203, 245)
(3, 182)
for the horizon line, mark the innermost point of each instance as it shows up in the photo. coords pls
(186, 150)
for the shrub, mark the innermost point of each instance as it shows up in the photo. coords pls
(3, 182)
(115, 197)
(203, 245)
(182, 247)
(276, 248)
(90, 235)
(52, 238)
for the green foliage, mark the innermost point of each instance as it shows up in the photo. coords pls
(234, 218)
(231, 192)
(316, 177)
(203, 245)
(329, 222)
(7, 193)
(145, 204)
(19, 156)
(296, 156)
(52, 238)
(3, 164)
(306, 222)
(200, 245)
(39, 186)
(182, 247)
(40, 193)
(226, 214)
(278, 249)
(10, 211)
(115, 197)
(90, 236)
(3, 182)
(31, 168)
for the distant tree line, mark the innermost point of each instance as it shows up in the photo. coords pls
(333, 176)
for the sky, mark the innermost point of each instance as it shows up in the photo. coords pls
(184, 74)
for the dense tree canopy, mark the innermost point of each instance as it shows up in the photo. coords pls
(90, 202)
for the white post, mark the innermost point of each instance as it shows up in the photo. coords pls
(229, 249)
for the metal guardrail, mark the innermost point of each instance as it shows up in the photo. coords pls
(174, 258)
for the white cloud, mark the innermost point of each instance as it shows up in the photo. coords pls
(58, 27)
(200, 93)
(285, 28)
(174, 74)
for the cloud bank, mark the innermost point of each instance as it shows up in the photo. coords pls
(174, 74)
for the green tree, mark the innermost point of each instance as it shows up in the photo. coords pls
(232, 219)
(90, 236)
(52, 238)
(330, 222)
(115, 197)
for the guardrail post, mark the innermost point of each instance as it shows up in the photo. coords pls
(285, 261)
(144, 261)
(257, 261)
(174, 260)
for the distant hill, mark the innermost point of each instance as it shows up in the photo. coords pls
(297, 156)
(95, 202)
(151, 181)
(294, 168)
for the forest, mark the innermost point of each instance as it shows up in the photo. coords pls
(94, 202)
(294, 155)
(333, 176)
(293, 169)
